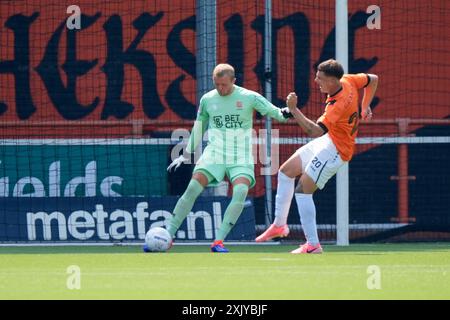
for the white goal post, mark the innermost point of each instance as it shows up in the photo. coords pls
(342, 185)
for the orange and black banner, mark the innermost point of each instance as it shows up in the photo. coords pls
(136, 59)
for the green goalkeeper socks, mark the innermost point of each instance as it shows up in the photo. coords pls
(184, 206)
(233, 211)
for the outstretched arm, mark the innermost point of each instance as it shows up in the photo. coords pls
(369, 93)
(263, 106)
(309, 126)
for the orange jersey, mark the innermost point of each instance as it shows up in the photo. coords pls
(341, 116)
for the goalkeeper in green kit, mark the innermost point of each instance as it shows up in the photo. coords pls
(227, 111)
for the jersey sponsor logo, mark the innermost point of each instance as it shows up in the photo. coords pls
(218, 121)
(229, 121)
(354, 118)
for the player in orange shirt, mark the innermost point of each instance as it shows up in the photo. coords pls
(319, 160)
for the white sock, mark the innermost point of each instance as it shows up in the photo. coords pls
(283, 199)
(307, 211)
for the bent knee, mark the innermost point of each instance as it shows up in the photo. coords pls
(289, 171)
(292, 168)
(201, 178)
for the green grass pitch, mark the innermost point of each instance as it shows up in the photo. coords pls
(381, 271)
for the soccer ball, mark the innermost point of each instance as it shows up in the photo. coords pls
(157, 240)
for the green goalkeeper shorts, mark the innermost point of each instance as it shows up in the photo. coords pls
(216, 164)
(218, 171)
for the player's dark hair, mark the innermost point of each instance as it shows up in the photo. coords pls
(331, 68)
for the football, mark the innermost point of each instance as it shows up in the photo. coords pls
(157, 240)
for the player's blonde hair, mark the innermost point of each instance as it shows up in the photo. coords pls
(224, 69)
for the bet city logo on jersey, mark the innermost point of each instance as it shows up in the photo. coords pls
(229, 121)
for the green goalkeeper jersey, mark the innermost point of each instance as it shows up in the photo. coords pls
(229, 120)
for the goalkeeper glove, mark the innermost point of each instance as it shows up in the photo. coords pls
(176, 163)
(286, 113)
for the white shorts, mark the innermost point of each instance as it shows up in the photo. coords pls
(320, 160)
